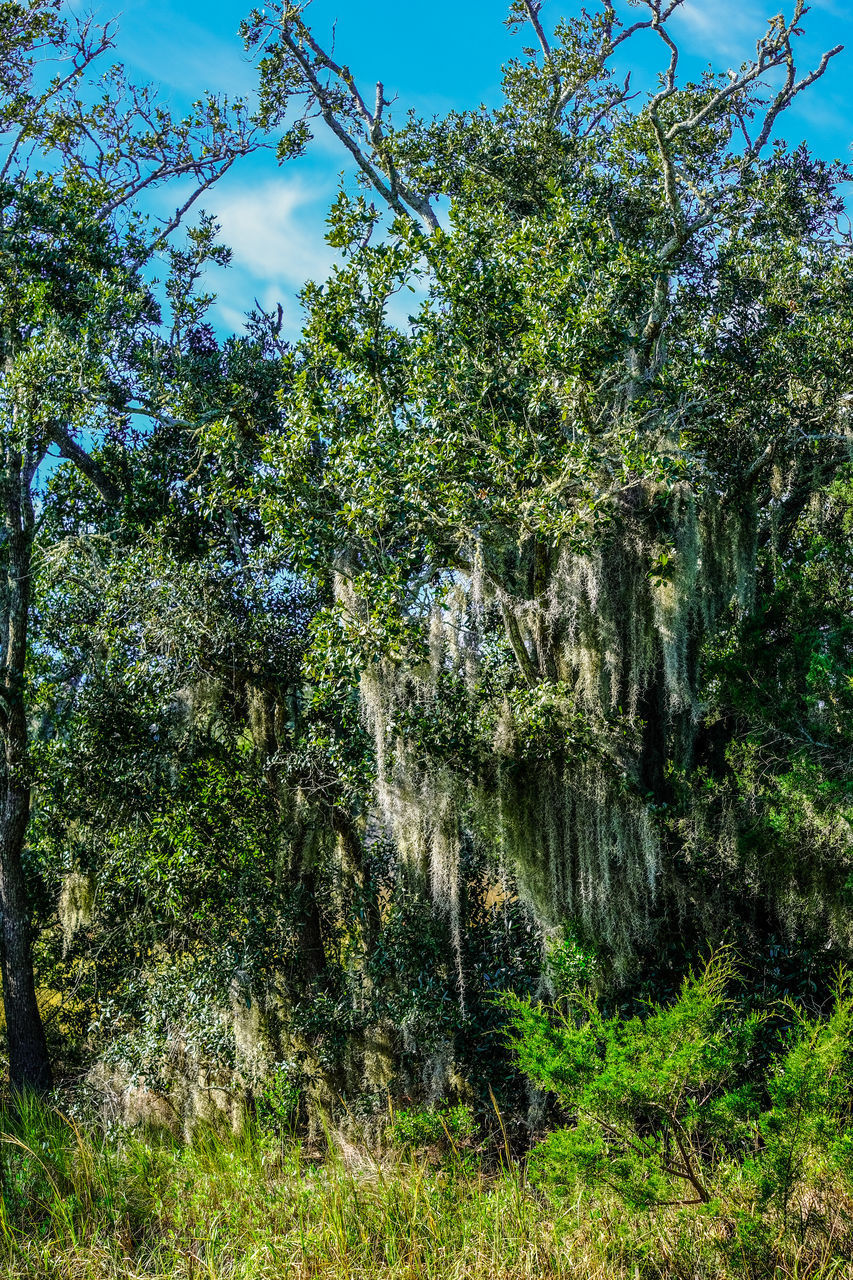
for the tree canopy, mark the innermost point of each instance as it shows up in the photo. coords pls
(348, 681)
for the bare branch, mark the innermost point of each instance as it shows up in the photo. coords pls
(158, 415)
(773, 50)
(343, 73)
(611, 45)
(82, 54)
(615, 101)
(667, 160)
(787, 95)
(532, 8)
(336, 103)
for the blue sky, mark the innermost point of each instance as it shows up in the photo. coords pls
(434, 57)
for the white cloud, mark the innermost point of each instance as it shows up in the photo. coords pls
(827, 117)
(274, 228)
(715, 29)
(275, 231)
(172, 49)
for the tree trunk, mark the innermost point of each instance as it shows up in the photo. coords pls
(265, 727)
(29, 1065)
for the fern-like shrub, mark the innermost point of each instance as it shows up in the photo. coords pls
(682, 1108)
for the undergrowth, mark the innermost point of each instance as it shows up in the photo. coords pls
(80, 1204)
(702, 1139)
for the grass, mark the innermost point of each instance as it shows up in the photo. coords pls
(81, 1205)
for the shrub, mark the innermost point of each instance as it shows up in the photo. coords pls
(277, 1102)
(438, 1126)
(670, 1109)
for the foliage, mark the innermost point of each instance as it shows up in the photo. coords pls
(575, 477)
(78, 342)
(410, 1128)
(672, 1108)
(501, 646)
(250, 1205)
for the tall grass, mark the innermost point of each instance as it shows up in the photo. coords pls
(79, 1205)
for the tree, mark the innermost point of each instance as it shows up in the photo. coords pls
(582, 464)
(74, 315)
(200, 815)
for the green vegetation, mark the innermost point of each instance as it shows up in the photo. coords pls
(411, 1129)
(688, 1153)
(676, 1108)
(394, 721)
(250, 1207)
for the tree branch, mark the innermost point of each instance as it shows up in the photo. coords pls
(91, 469)
(532, 8)
(519, 648)
(312, 60)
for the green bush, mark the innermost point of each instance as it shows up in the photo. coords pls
(672, 1110)
(437, 1126)
(277, 1102)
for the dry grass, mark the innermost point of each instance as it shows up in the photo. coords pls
(83, 1207)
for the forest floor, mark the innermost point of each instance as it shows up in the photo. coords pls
(82, 1206)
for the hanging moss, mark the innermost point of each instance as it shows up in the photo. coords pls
(621, 629)
(76, 904)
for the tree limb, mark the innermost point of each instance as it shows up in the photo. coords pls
(91, 469)
(312, 60)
